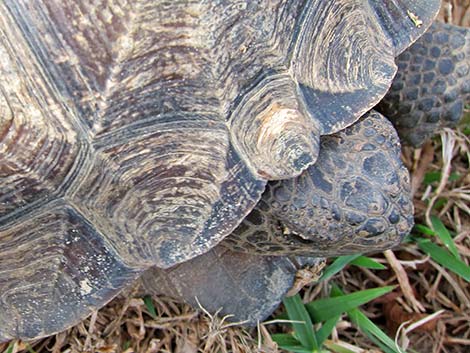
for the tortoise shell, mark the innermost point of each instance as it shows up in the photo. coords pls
(138, 134)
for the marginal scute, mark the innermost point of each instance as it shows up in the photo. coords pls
(333, 37)
(404, 21)
(51, 279)
(272, 128)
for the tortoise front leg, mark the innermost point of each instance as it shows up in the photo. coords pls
(246, 287)
(432, 84)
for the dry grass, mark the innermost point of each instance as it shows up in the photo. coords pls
(429, 312)
(126, 325)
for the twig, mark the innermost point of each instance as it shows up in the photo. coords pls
(403, 281)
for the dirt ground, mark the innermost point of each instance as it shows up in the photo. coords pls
(423, 287)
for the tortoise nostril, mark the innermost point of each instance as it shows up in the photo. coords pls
(374, 208)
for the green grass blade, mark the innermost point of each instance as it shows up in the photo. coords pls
(423, 229)
(126, 345)
(454, 177)
(327, 327)
(29, 348)
(150, 307)
(285, 339)
(440, 203)
(432, 177)
(297, 349)
(325, 331)
(367, 262)
(373, 332)
(304, 331)
(444, 235)
(337, 265)
(324, 309)
(435, 176)
(334, 347)
(10, 347)
(445, 258)
(289, 343)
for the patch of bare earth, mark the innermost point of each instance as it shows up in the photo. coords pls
(426, 292)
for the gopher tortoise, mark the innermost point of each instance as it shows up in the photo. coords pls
(135, 137)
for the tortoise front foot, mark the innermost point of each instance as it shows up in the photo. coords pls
(432, 84)
(246, 287)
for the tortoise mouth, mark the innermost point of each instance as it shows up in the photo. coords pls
(373, 236)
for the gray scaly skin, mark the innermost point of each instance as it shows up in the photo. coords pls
(432, 85)
(246, 286)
